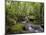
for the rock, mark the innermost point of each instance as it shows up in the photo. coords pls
(33, 28)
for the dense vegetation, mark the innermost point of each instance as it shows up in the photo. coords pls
(17, 11)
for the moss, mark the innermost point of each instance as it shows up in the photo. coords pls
(17, 28)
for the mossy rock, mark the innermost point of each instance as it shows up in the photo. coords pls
(17, 28)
